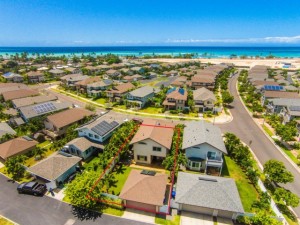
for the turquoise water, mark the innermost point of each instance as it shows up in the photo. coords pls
(213, 52)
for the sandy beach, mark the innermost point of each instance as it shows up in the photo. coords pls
(273, 63)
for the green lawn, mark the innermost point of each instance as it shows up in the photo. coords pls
(26, 178)
(247, 191)
(113, 211)
(159, 220)
(267, 130)
(121, 175)
(46, 145)
(152, 110)
(4, 221)
(101, 101)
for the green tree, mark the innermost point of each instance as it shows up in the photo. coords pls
(263, 218)
(289, 198)
(227, 97)
(78, 190)
(277, 172)
(14, 166)
(38, 151)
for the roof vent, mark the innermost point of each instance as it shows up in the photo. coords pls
(207, 179)
(148, 172)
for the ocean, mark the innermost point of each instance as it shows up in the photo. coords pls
(206, 52)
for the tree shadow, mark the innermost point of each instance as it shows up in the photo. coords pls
(120, 169)
(85, 214)
(285, 210)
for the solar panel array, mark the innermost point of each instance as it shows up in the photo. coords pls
(171, 90)
(273, 88)
(44, 108)
(181, 91)
(148, 172)
(104, 127)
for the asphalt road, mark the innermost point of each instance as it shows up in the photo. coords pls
(31, 210)
(247, 130)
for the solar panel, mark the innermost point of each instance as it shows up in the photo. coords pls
(171, 90)
(104, 127)
(145, 172)
(181, 91)
(148, 172)
(44, 108)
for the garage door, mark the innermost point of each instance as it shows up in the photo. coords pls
(225, 214)
(197, 209)
(141, 206)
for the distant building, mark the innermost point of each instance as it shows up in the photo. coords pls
(13, 77)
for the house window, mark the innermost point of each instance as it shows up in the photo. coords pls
(90, 135)
(157, 149)
(195, 164)
(211, 155)
(142, 143)
(96, 136)
(142, 158)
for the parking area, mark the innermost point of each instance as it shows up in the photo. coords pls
(188, 218)
(138, 215)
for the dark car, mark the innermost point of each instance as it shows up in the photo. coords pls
(33, 188)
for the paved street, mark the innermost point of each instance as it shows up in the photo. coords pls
(30, 210)
(246, 129)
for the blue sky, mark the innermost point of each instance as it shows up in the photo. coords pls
(149, 22)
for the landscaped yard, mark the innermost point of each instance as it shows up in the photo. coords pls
(267, 130)
(120, 173)
(101, 101)
(247, 191)
(163, 221)
(150, 109)
(4, 221)
(46, 145)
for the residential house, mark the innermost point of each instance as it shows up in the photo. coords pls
(13, 77)
(16, 146)
(71, 79)
(73, 70)
(199, 81)
(135, 77)
(204, 99)
(152, 142)
(127, 71)
(4, 87)
(144, 192)
(21, 102)
(141, 95)
(95, 89)
(212, 196)
(35, 76)
(117, 92)
(5, 129)
(276, 105)
(176, 99)
(83, 147)
(36, 110)
(290, 113)
(258, 72)
(179, 82)
(204, 147)
(138, 69)
(82, 85)
(113, 73)
(100, 129)
(21, 93)
(152, 75)
(267, 95)
(56, 125)
(54, 170)
(56, 72)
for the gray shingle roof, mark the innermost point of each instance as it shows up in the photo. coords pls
(142, 92)
(285, 101)
(221, 194)
(203, 94)
(6, 129)
(83, 144)
(54, 166)
(196, 133)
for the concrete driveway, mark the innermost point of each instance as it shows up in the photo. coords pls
(188, 218)
(140, 216)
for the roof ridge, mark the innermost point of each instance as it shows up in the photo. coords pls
(225, 192)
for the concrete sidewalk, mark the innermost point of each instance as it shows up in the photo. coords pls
(140, 216)
(188, 218)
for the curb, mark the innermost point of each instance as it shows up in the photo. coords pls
(284, 155)
(1, 216)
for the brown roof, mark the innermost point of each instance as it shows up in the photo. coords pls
(144, 188)
(34, 73)
(22, 93)
(89, 80)
(176, 94)
(68, 117)
(156, 132)
(281, 94)
(15, 147)
(264, 82)
(122, 88)
(203, 79)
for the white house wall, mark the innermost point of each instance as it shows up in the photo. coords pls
(200, 151)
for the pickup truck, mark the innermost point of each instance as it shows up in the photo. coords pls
(33, 188)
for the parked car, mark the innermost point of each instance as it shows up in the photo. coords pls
(33, 188)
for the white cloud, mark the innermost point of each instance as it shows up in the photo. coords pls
(294, 39)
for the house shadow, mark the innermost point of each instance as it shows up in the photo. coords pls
(85, 214)
(225, 171)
